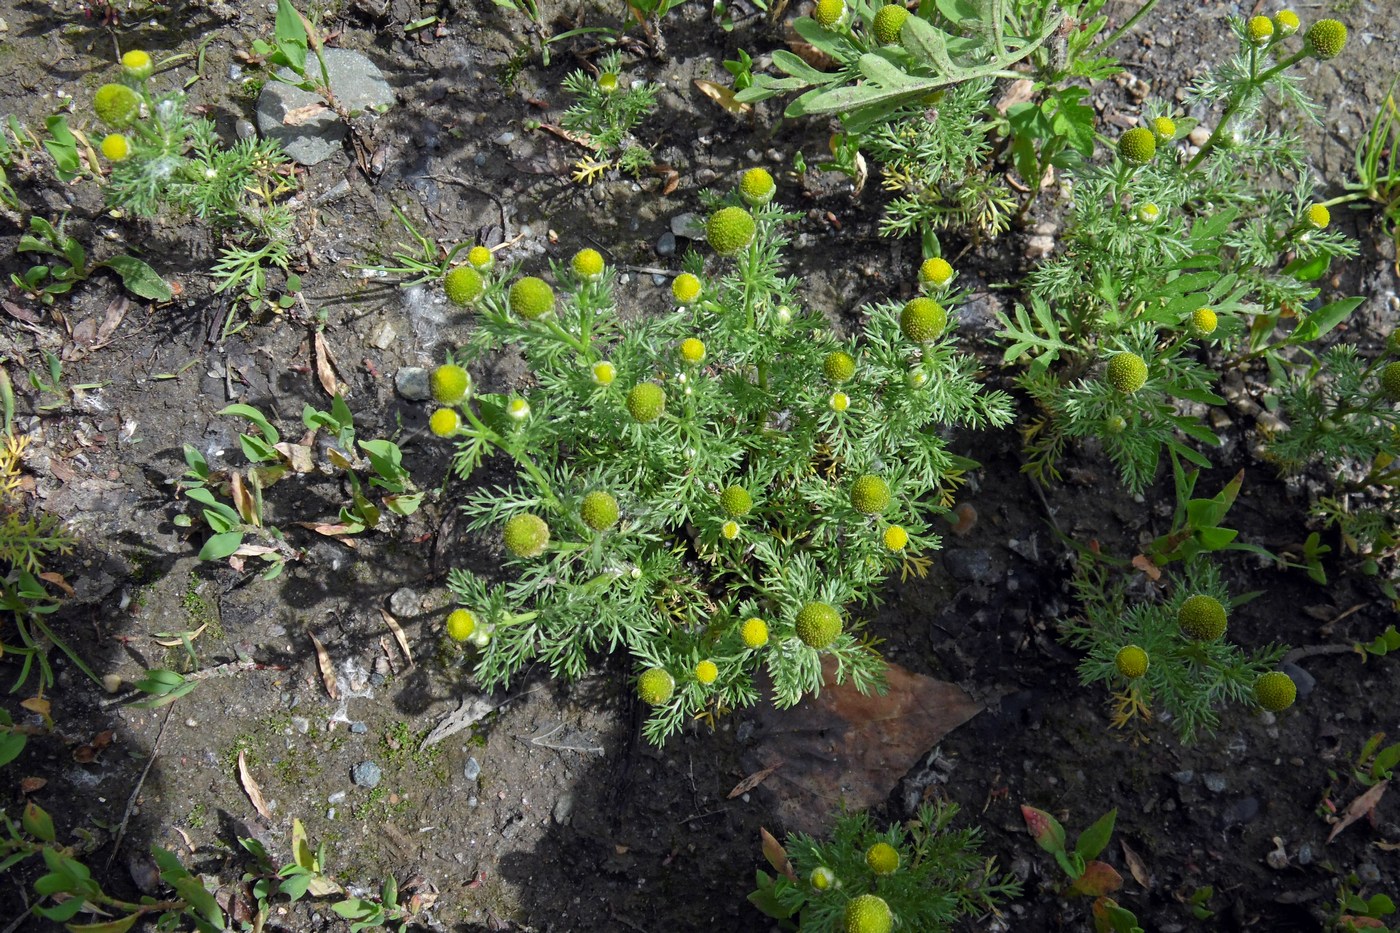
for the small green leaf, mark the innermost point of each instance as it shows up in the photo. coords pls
(221, 545)
(37, 822)
(1095, 839)
(140, 279)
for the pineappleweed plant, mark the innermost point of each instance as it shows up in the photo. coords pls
(717, 488)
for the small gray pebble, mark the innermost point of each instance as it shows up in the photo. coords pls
(970, 565)
(235, 72)
(1184, 777)
(366, 774)
(658, 279)
(480, 159)
(505, 139)
(1302, 678)
(1305, 854)
(563, 808)
(359, 728)
(245, 129)
(666, 244)
(1368, 873)
(301, 724)
(688, 225)
(472, 802)
(512, 827)
(377, 679)
(1241, 811)
(406, 601)
(412, 383)
(745, 730)
(472, 771)
(1215, 783)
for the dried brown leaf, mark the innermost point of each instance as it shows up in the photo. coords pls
(752, 781)
(1144, 563)
(32, 785)
(325, 367)
(243, 500)
(1364, 805)
(111, 320)
(298, 455)
(776, 855)
(56, 578)
(299, 116)
(323, 661)
(1136, 866)
(399, 636)
(724, 96)
(38, 705)
(177, 642)
(1019, 91)
(19, 313)
(250, 787)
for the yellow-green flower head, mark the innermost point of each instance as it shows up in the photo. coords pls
(655, 686)
(1201, 617)
(587, 264)
(754, 633)
(463, 285)
(1131, 661)
(1317, 217)
(1149, 213)
(937, 271)
(1137, 146)
(1260, 30)
(116, 147)
(1326, 38)
(531, 298)
(822, 878)
(1275, 691)
(889, 20)
(922, 320)
(729, 530)
(646, 402)
(608, 82)
(896, 538)
(882, 858)
(1127, 372)
(693, 350)
(137, 65)
(839, 401)
(916, 379)
(461, 623)
(449, 384)
(868, 914)
(757, 187)
(445, 422)
(1164, 129)
(598, 510)
(1286, 23)
(685, 288)
(729, 230)
(1115, 424)
(603, 372)
(707, 672)
(1203, 323)
(828, 12)
(481, 258)
(870, 494)
(116, 104)
(518, 409)
(1390, 381)
(736, 502)
(526, 535)
(838, 366)
(818, 625)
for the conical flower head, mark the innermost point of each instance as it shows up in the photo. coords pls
(922, 320)
(868, 914)
(1203, 322)
(526, 535)
(818, 625)
(757, 186)
(1260, 30)
(449, 384)
(1286, 22)
(116, 104)
(729, 230)
(461, 623)
(1201, 617)
(882, 858)
(754, 633)
(1275, 691)
(646, 402)
(828, 12)
(1390, 381)
(685, 288)
(463, 285)
(598, 510)
(736, 502)
(888, 21)
(1137, 146)
(936, 271)
(870, 494)
(531, 298)
(1326, 38)
(1127, 372)
(655, 686)
(587, 264)
(1164, 129)
(1131, 661)
(838, 366)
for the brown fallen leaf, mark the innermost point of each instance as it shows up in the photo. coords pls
(752, 781)
(20, 313)
(1364, 805)
(399, 636)
(31, 785)
(841, 746)
(56, 578)
(1136, 866)
(323, 661)
(41, 706)
(1019, 91)
(776, 855)
(1144, 563)
(325, 367)
(724, 96)
(332, 530)
(297, 455)
(299, 116)
(250, 787)
(243, 499)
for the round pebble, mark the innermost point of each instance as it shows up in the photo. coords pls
(359, 728)
(366, 774)
(472, 771)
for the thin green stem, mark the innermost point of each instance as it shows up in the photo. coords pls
(519, 456)
(1238, 99)
(1121, 31)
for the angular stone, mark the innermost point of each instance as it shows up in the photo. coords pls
(287, 113)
